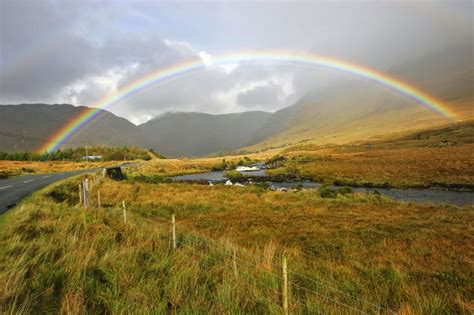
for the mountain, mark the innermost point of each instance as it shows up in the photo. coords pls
(194, 134)
(171, 134)
(357, 109)
(40, 121)
(352, 109)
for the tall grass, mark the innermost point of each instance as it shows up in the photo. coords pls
(345, 254)
(440, 157)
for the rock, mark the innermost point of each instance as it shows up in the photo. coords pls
(238, 185)
(228, 183)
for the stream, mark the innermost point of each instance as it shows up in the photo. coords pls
(460, 198)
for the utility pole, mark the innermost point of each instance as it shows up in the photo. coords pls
(87, 154)
(23, 140)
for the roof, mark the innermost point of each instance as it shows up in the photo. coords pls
(112, 167)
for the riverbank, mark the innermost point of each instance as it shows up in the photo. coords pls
(460, 198)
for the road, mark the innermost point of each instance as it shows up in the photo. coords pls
(12, 190)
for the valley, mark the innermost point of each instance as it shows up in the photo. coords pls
(236, 157)
(341, 250)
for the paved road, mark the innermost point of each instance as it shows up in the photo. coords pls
(12, 190)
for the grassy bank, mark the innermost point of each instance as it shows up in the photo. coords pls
(432, 158)
(15, 168)
(342, 252)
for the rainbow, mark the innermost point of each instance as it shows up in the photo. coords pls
(287, 57)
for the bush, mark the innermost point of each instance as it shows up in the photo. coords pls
(326, 192)
(76, 154)
(263, 185)
(233, 175)
(344, 190)
(27, 170)
(68, 192)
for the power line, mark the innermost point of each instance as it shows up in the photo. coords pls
(35, 139)
(18, 136)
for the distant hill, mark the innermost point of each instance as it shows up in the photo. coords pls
(193, 134)
(171, 134)
(42, 120)
(355, 109)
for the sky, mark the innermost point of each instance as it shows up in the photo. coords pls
(76, 52)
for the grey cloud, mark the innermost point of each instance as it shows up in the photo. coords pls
(50, 47)
(261, 95)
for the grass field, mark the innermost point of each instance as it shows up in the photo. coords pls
(440, 157)
(15, 168)
(349, 254)
(407, 258)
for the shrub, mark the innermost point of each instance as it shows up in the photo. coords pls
(327, 192)
(263, 185)
(27, 170)
(344, 190)
(233, 175)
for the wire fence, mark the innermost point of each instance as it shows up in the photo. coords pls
(249, 262)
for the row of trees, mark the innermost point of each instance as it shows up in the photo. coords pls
(78, 154)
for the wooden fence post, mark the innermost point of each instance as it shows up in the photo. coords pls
(80, 195)
(234, 263)
(85, 187)
(124, 212)
(87, 193)
(98, 198)
(284, 285)
(173, 230)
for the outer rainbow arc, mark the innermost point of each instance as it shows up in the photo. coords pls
(163, 74)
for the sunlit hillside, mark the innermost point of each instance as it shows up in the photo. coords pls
(356, 109)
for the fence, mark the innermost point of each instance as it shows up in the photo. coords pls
(286, 282)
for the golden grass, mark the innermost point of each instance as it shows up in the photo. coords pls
(13, 168)
(404, 257)
(405, 167)
(437, 157)
(172, 167)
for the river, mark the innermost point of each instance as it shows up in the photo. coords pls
(460, 198)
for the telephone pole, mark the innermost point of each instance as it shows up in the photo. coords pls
(23, 140)
(87, 154)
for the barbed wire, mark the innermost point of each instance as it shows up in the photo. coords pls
(328, 298)
(325, 284)
(247, 263)
(318, 282)
(209, 242)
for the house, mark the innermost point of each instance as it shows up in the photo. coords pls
(247, 168)
(92, 157)
(251, 167)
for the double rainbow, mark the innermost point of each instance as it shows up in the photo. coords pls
(287, 57)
